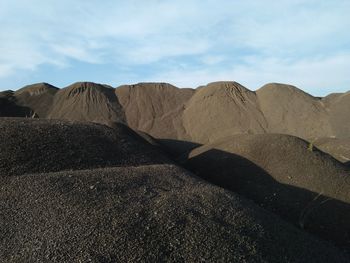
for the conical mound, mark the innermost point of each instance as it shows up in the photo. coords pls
(86, 101)
(155, 108)
(289, 110)
(37, 97)
(221, 109)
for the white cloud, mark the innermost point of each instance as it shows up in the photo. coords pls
(318, 76)
(252, 41)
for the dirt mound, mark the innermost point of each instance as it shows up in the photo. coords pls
(86, 101)
(155, 108)
(9, 107)
(221, 109)
(339, 107)
(148, 213)
(339, 148)
(37, 97)
(32, 145)
(286, 176)
(289, 110)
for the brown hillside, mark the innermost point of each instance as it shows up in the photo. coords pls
(221, 109)
(289, 110)
(86, 101)
(155, 108)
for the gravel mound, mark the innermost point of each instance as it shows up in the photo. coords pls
(33, 145)
(157, 213)
(285, 175)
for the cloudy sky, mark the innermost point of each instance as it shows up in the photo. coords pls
(185, 42)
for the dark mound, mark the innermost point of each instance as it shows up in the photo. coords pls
(29, 146)
(37, 97)
(221, 109)
(284, 175)
(9, 107)
(86, 101)
(144, 214)
(155, 108)
(289, 110)
(339, 148)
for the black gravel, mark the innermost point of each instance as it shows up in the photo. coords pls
(157, 213)
(33, 145)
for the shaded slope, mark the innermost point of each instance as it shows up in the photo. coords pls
(308, 188)
(29, 146)
(289, 110)
(149, 213)
(221, 109)
(86, 101)
(9, 107)
(155, 108)
(37, 97)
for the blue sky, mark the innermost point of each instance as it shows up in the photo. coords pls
(185, 42)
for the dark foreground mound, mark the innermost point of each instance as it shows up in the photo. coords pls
(146, 214)
(285, 175)
(32, 145)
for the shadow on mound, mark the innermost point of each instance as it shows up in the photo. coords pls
(316, 213)
(8, 108)
(177, 148)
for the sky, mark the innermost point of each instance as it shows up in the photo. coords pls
(188, 43)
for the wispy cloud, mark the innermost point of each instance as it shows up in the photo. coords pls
(303, 42)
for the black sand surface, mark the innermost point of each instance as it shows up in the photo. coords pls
(157, 213)
(33, 145)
